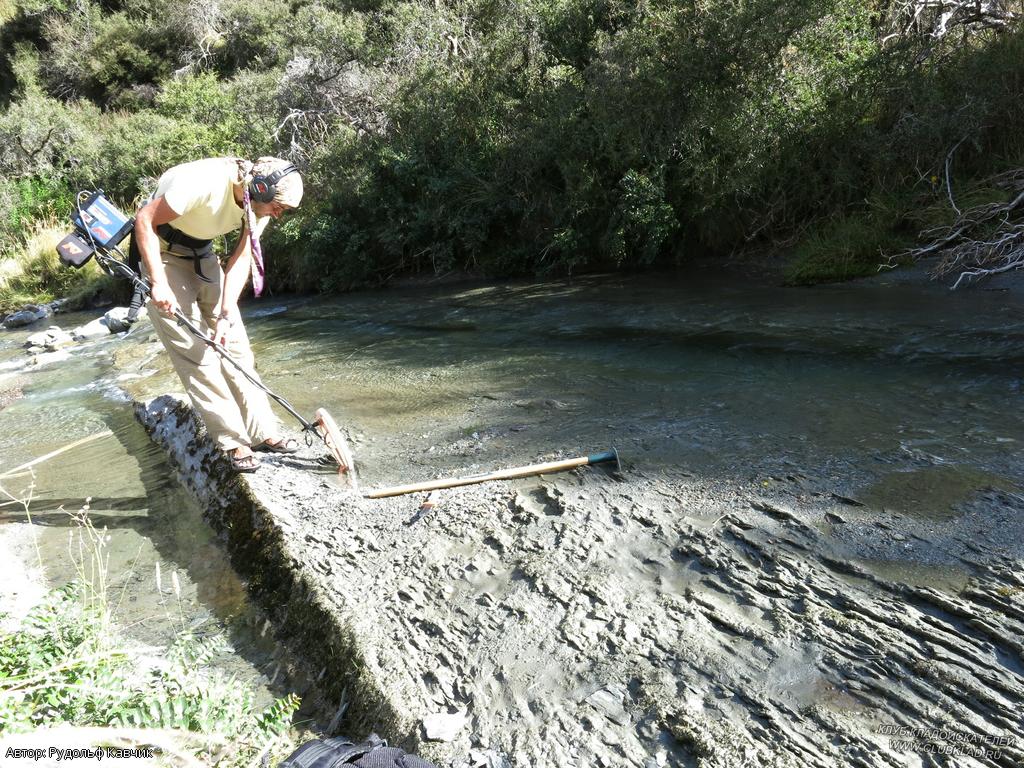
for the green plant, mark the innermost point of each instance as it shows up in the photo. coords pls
(68, 664)
(546, 136)
(209, 107)
(37, 276)
(29, 200)
(854, 245)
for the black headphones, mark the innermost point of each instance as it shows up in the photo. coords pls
(262, 189)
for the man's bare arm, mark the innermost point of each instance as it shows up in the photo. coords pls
(236, 274)
(150, 216)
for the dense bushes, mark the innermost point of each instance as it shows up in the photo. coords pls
(600, 135)
(527, 137)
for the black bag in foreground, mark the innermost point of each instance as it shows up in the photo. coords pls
(339, 752)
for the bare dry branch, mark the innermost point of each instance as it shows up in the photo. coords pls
(985, 240)
(949, 179)
(930, 21)
(31, 154)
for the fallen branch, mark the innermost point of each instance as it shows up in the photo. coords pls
(985, 240)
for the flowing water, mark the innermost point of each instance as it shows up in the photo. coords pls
(906, 395)
(127, 488)
(889, 376)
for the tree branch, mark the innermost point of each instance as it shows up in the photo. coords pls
(985, 240)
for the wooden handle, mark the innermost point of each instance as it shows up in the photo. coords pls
(501, 474)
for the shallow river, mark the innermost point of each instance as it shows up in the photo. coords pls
(909, 393)
(674, 373)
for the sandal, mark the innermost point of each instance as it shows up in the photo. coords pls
(248, 463)
(283, 445)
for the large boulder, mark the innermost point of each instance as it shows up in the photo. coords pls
(116, 320)
(97, 329)
(30, 313)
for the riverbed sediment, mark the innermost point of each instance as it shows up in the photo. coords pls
(811, 556)
(640, 617)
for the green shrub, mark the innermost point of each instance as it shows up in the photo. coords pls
(68, 665)
(42, 136)
(544, 136)
(643, 223)
(255, 36)
(209, 107)
(99, 55)
(28, 200)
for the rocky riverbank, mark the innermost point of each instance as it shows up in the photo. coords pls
(637, 618)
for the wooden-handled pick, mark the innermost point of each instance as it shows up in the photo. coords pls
(501, 474)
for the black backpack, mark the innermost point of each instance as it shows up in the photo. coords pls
(338, 752)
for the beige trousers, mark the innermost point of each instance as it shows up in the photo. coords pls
(234, 411)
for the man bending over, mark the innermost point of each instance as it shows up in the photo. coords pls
(174, 232)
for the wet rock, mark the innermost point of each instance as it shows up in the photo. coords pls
(49, 340)
(116, 320)
(487, 758)
(850, 502)
(608, 701)
(27, 315)
(443, 726)
(49, 358)
(542, 404)
(774, 510)
(97, 329)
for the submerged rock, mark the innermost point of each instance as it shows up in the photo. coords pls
(114, 321)
(96, 329)
(48, 358)
(9, 395)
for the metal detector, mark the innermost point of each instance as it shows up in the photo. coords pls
(99, 229)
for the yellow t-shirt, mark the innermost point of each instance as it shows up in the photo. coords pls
(202, 193)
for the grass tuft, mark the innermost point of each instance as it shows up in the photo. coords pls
(33, 274)
(68, 669)
(856, 243)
